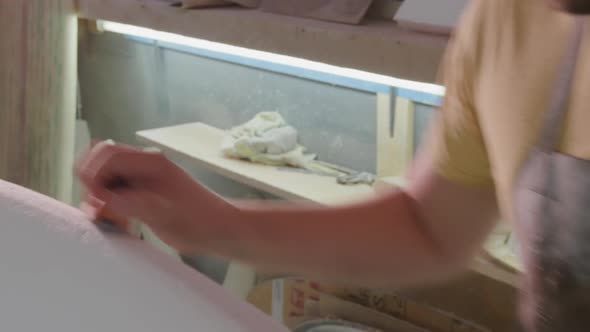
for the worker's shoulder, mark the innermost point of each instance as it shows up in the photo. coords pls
(506, 6)
(498, 13)
(490, 21)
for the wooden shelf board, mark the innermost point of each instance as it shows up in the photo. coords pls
(502, 254)
(200, 144)
(378, 46)
(491, 269)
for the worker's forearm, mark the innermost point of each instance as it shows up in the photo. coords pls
(378, 243)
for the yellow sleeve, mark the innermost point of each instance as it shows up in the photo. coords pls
(457, 144)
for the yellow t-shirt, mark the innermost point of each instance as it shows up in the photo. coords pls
(500, 72)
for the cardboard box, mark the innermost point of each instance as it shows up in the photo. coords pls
(403, 308)
(293, 301)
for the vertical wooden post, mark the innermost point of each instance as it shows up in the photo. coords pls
(38, 50)
(395, 135)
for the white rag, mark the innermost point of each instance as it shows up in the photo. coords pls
(266, 139)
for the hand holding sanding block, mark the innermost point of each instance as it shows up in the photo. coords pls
(111, 222)
(103, 217)
(106, 220)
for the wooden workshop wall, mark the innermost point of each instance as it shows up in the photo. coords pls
(37, 94)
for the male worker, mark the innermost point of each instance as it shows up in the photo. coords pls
(514, 71)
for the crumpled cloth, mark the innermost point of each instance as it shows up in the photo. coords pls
(266, 139)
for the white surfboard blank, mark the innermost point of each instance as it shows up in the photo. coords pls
(60, 273)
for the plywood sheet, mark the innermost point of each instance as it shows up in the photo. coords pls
(395, 135)
(501, 252)
(438, 16)
(59, 273)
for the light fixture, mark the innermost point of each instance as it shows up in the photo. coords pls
(271, 57)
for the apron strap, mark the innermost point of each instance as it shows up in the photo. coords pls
(554, 118)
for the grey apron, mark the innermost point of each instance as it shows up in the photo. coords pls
(552, 210)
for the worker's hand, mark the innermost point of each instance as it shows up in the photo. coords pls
(145, 185)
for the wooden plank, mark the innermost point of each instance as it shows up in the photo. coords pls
(395, 135)
(499, 249)
(378, 46)
(38, 94)
(200, 144)
(385, 138)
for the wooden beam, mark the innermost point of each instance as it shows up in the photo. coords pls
(38, 95)
(395, 135)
